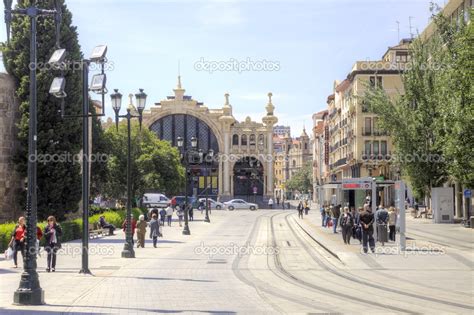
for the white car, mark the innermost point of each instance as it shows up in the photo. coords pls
(154, 200)
(240, 204)
(214, 204)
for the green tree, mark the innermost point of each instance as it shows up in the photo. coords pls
(156, 164)
(59, 184)
(302, 180)
(431, 123)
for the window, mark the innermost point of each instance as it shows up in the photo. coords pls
(372, 81)
(252, 139)
(376, 148)
(306, 146)
(235, 140)
(244, 140)
(294, 163)
(379, 82)
(383, 147)
(261, 139)
(367, 147)
(368, 126)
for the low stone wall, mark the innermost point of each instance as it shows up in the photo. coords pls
(10, 182)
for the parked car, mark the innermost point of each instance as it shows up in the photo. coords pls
(240, 204)
(155, 200)
(179, 200)
(213, 204)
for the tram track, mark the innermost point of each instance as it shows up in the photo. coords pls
(358, 280)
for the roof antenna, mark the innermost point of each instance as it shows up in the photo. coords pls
(398, 30)
(411, 27)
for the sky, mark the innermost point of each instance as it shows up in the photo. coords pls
(292, 48)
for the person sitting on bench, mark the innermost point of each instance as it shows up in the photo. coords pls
(105, 225)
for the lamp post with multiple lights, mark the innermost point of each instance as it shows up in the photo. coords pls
(29, 291)
(57, 89)
(116, 98)
(185, 156)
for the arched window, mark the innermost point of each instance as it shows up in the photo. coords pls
(244, 140)
(306, 146)
(235, 140)
(261, 140)
(294, 163)
(252, 139)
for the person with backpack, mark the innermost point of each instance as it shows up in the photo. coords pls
(381, 219)
(367, 229)
(346, 222)
(52, 233)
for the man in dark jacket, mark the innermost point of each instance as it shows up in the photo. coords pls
(335, 214)
(367, 227)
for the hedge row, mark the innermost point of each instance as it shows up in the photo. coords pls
(72, 229)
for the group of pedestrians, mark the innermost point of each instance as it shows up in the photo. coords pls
(52, 233)
(361, 224)
(141, 228)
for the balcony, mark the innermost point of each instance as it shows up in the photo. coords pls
(378, 132)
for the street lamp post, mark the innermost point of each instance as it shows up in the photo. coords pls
(29, 291)
(185, 157)
(116, 98)
(208, 160)
(97, 86)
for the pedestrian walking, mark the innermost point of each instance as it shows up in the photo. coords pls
(52, 233)
(322, 211)
(270, 203)
(191, 212)
(392, 222)
(356, 229)
(134, 226)
(367, 228)
(381, 220)
(154, 229)
(335, 214)
(346, 222)
(162, 216)
(300, 210)
(306, 207)
(141, 231)
(17, 241)
(180, 214)
(201, 206)
(278, 201)
(169, 214)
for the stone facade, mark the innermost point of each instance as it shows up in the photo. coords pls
(245, 146)
(10, 183)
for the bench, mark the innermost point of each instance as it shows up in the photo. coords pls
(95, 230)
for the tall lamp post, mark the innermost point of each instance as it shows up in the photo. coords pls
(185, 155)
(29, 291)
(116, 98)
(98, 86)
(207, 160)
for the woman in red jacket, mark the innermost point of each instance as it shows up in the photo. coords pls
(17, 242)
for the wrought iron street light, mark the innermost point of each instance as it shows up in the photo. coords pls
(116, 99)
(208, 161)
(185, 155)
(30, 292)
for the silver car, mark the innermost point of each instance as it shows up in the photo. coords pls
(240, 204)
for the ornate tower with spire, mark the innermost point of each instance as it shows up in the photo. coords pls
(179, 91)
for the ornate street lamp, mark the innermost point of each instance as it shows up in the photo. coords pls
(185, 158)
(116, 99)
(209, 160)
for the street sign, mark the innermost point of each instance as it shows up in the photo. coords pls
(467, 193)
(356, 183)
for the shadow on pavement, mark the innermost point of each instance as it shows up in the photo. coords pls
(159, 278)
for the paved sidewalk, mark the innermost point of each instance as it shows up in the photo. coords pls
(172, 278)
